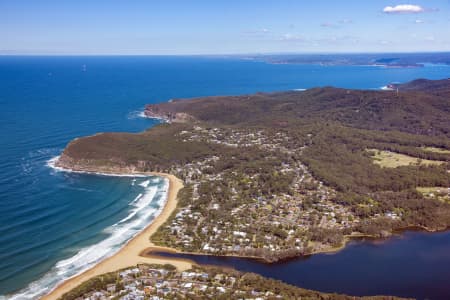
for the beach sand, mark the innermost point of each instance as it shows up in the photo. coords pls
(130, 254)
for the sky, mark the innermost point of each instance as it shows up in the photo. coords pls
(171, 27)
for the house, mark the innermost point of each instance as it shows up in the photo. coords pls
(111, 288)
(187, 285)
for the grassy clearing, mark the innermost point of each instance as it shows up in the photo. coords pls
(436, 192)
(388, 159)
(436, 150)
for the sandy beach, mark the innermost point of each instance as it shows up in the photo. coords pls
(129, 255)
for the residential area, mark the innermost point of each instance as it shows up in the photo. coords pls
(157, 282)
(270, 206)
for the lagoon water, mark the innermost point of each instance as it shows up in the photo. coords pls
(54, 224)
(414, 265)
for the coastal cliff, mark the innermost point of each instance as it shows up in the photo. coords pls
(166, 113)
(93, 166)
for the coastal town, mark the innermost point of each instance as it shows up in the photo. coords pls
(158, 282)
(164, 282)
(237, 211)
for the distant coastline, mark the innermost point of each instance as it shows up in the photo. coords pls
(382, 60)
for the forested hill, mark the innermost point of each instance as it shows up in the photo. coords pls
(419, 107)
(435, 87)
(296, 170)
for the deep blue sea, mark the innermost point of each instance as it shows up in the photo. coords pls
(51, 220)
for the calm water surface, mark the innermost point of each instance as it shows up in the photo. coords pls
(411, 265)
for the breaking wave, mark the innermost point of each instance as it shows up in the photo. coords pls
(143, 209)
(136, 114)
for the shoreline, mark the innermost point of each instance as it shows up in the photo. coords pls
(150, 251)
(130, 253)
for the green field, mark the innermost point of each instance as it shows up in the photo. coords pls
(436, 150)
(388, 159)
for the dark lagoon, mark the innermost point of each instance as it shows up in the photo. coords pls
(413, 264)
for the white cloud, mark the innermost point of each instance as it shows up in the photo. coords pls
(291, 37)
(418, 21)
(404, 8)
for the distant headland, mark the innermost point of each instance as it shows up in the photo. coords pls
(387, 60)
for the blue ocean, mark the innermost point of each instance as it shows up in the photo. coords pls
(55, 224)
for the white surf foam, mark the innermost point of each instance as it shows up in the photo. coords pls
(136, 114)
(140, 114)
(386, 88)
(139, 217)
(140, 203)
(145, 183)
(136, 199)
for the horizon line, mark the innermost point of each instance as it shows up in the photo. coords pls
(228, 54)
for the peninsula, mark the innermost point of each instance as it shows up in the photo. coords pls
(278, 175)
(386, 60)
